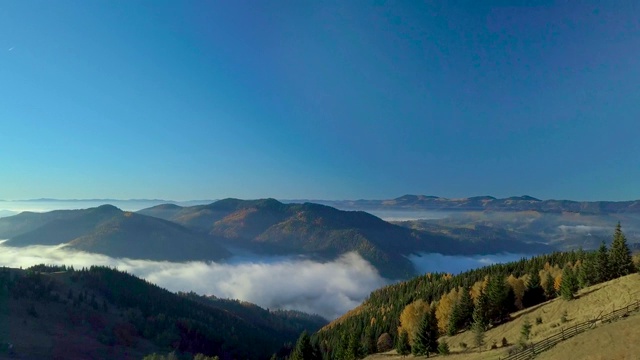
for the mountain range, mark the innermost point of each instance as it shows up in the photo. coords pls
(266, 226)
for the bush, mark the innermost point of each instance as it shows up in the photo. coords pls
(505, 342)
(563, 317)
(539, 320)
(443, 348)
(463, 345)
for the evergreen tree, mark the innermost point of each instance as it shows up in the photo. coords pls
(569, 284)
(303, 349)
(587, 271)
(369, 345)
(549, 290)
(402, 346)
(500, 299)
(534, 293)
(425, 340)
(353, 350)
(481, 311)
(620, 260)
(602, 268)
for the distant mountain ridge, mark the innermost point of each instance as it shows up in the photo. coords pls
(490, 203)
(110, 231)
(269, 226)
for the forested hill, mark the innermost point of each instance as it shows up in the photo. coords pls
(270, 226)
(104, 313)
(480, 298)
(111, 231)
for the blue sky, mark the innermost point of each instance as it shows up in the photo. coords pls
(306, 99)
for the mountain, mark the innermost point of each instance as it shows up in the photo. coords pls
(490, 203)
(102, 313)
(111, 231)
(269, 226)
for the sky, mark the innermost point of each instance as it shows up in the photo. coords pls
(319, 100)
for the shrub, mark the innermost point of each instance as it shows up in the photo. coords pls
(563, 317)
(505, 342)
(443, 348)
(539, 320)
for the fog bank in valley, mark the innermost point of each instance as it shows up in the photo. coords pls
(326, 288)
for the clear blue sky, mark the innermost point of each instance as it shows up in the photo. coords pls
(309, 99)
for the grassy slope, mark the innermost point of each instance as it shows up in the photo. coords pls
(620, 336)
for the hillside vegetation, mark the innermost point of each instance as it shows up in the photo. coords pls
(472, 307)
(102, 313)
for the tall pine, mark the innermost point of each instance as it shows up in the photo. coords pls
(402, 345)
(303, 349)
(569, 284)
(602, 265)
(425, 341)
(620, 260)
(534, 293)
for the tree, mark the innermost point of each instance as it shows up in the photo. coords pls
(369, 345)
(549, 290)
(501, 299)
(525, 331)
(602, 268)
(534, 293)
(303, 349)
(587, 271)
(569, 284)
(462, 313)
(411, 316)
(402, 346)
(425, 340)
(620, 260)
(385, 343)
(480, 318)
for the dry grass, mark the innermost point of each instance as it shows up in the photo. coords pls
(591, 302)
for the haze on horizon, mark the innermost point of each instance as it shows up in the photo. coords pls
(308, 100)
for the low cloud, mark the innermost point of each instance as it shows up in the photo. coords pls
(425, 263)
(329, 289)
(582, 229)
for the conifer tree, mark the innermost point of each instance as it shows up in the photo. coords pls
(303, 349)
(549, 290)
(602, 268)
(587, 271)
(500, 299)
(569, 284)
(534, 293)
(402, 345)
(425, 341)
(620, 260)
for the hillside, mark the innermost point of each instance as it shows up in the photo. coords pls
(269, 226)
(102, 313)
(111, 231)
(606, 341)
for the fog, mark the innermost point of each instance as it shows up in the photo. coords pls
(329, 289)
(407, 215)
(425, 263)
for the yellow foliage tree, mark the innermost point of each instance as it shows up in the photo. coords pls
(518, 286)
(411, 316)
(557, 282)
(444, 309)
(477, 287)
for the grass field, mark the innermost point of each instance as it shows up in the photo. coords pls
(618, 340)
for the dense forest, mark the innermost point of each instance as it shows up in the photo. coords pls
(123, 310)
(411, 315)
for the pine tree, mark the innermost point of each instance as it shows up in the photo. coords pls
(369, 345)
(501, 300)
(402, 346)
(534, 293)
(602, 268)
(549, 290)
(620, 260)
(303, 349)
(569, 284)
(480, 311)
(587, 271)
(425, 341)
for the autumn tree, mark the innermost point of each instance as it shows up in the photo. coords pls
(411, 316)
(620, 260)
